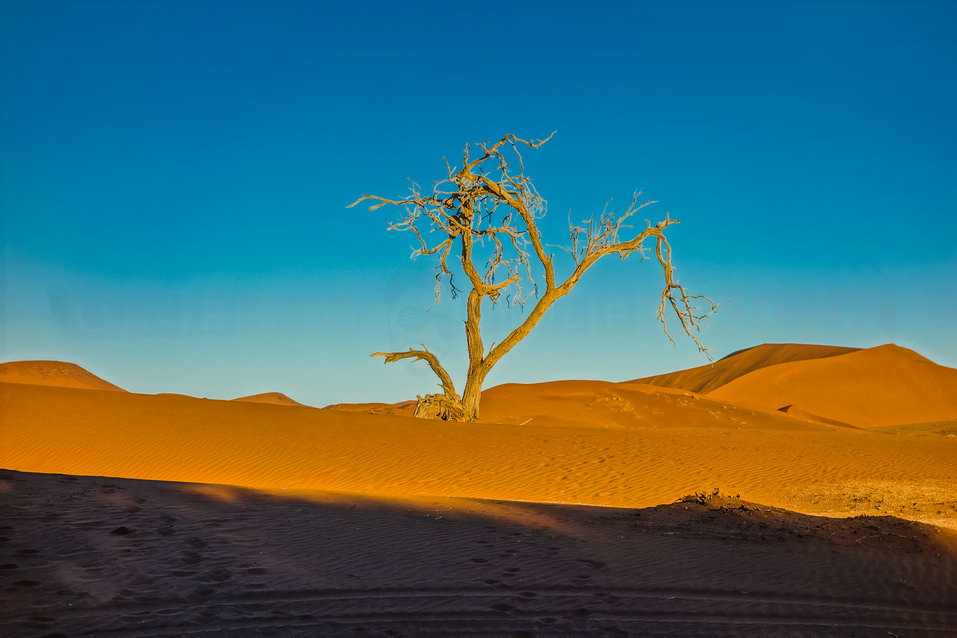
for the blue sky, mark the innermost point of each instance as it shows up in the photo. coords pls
(175, 175)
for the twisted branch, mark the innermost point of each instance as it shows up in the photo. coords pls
(424, 355)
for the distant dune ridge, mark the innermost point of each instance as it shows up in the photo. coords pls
(275, 398)
(881, 386)
(704, 379)
(55, 373)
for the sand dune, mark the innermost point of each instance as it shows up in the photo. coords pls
(704, 379)
(886, 385)
(97, 556)
(604, 404)
(544, 518)
(768, 458)
(276, 398)
(55, 373)
(601, 404)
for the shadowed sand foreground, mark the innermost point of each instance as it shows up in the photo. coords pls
(264, 517)
(118, 557)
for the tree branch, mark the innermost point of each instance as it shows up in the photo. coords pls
(424, 355)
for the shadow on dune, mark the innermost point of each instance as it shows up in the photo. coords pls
(137, 558)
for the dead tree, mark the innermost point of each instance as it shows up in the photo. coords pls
(485, 215)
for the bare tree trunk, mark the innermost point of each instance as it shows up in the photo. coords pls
(473, 393)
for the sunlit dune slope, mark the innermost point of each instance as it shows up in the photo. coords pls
(886, 385)
(73, 431)
(704, 379)
(276, 398)
(601, 404)
(55, 373)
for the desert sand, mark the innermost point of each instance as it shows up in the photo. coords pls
(565, 510)
(274, 398)
(53, 373)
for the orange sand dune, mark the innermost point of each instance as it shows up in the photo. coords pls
(704, 379)
(277, 398)
(802, 466)
(602, 404)
(84, 556)
(886, 385)
(56, 373)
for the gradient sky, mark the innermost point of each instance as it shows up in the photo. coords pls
(175, 175)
